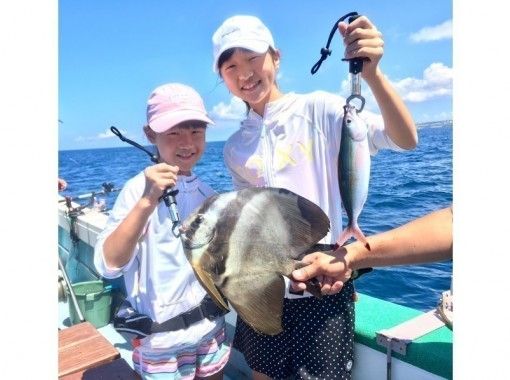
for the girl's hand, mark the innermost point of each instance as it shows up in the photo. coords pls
(157, 178)
(362, 39)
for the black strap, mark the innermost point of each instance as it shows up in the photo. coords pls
(127, 319)
(206, 309)
(326, 52)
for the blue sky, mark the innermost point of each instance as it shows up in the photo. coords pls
(111, 54)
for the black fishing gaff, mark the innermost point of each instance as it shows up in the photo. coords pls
(355, 64)
(169, 193)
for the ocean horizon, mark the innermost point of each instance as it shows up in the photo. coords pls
(429, 124)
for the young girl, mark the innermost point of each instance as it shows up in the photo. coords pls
(138, 243)
(292, 141)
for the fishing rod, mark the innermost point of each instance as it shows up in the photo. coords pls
(355, 64)
(168, 194)
(93, 201)
(108, 187)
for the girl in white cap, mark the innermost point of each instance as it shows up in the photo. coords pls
(292, 141)
(176, 340)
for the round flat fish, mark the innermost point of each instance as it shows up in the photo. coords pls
(241, 243)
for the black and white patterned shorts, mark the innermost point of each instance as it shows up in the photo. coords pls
(317, 341)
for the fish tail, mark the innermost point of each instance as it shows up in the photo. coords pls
(360, 236)
(353, 231)
(345, 235)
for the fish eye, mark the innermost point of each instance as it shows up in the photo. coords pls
(195, 242)
(196, 222)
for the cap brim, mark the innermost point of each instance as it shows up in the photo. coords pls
(171, 119)
(253, 45)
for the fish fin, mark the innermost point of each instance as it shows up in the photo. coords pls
(307, 222)
(258, 299)
(207, 282)
(281, 221)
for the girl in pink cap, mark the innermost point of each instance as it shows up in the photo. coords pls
(176, 340)
(292, 141)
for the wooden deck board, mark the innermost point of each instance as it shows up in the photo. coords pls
(81, 347)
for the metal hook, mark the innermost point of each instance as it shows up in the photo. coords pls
(356, 96)
(175, 224)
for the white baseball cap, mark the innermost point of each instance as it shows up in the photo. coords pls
(241, 31)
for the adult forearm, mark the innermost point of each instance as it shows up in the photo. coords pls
(120, 244)
(425, 239)
(398, 121)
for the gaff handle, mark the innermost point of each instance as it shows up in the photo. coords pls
(355, 64)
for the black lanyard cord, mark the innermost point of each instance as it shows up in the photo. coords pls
(325, 52)
(168, 195)
(117, 133)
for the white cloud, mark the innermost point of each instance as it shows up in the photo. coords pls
(100, 136)
(437, 81)
(433, 33)
(107, 134)
(235, 110)
(426, 117)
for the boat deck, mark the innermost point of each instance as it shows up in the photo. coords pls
(428, 357)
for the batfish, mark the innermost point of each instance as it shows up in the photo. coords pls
(353, 172)
(241, 243)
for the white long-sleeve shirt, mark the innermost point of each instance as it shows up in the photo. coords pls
(295, 146)
(159, 279)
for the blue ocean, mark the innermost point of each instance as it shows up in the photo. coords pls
(403, 186)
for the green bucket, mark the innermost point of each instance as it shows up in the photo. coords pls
(94, 300)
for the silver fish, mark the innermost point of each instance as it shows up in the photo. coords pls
(241, 243)
(353, 172)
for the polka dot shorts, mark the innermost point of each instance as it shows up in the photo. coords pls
(317, 341)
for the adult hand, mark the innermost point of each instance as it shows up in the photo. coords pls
(330, 268)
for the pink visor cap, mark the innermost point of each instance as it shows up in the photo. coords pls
(172, 104)
(241, 31)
